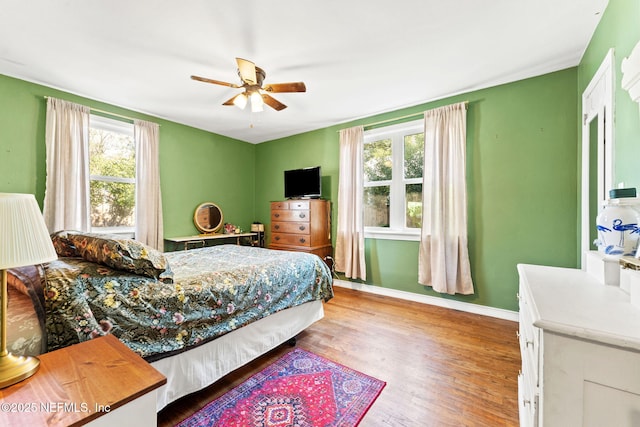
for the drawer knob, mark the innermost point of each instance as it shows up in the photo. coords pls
(277, 227)
(302, 227)
(302, 215)
(277, 237)
(302, 240)
(277, 215)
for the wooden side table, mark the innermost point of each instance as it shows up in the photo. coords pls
(201, 239)
(100, 382)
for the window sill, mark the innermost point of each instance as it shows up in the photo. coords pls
(413, 236)
(124, 232)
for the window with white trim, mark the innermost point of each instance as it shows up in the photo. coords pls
(112, 169)
(393, 164)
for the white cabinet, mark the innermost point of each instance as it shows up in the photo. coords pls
(580, 346)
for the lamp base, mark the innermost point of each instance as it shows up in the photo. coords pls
(14, 369)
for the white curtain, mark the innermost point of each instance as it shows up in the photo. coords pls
(148, 197)
(350, 230)
(66, 197)
(443, 255)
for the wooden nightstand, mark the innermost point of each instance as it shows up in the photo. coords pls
(100, 382)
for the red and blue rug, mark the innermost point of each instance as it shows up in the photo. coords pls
(300, 389)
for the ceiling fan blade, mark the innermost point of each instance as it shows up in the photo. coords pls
(247, 71)
(216, 82)
(285, 87)
(230, 100)
(272, 102)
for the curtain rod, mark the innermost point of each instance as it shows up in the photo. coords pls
(395, 119)
(97, 110)
(408, 116)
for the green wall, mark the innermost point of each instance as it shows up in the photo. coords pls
(619, 29)
(195, 166)
(521, 147)
(523, 167)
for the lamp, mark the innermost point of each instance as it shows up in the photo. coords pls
(24, 240)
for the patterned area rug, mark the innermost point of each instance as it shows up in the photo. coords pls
(301, 389)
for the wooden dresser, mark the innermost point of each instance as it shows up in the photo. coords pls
(580, 347)
(302, 225)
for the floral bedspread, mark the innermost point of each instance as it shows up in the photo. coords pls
(215, 290)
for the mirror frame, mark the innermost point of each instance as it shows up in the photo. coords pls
(207, 230)
(597, 103)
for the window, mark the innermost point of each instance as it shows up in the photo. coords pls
(112, 169)
(393, 162)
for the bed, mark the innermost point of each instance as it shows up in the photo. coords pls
(194, 315)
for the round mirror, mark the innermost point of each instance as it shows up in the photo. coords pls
(208, 218)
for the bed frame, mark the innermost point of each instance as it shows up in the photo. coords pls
(201, 366)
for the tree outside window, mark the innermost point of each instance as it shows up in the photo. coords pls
(393, 164)
(377, 176)
(413, 167)
(113, 170)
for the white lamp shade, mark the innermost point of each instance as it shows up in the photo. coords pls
(24, 238)
(256, 102)
(240, 101)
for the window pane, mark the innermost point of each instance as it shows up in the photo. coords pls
(376, 206)
(413, 155)
(112, 204)
(377, 160)
(111, 154)
(413, 209)
(112, 157)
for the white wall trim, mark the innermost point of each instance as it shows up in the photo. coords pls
(426, 299)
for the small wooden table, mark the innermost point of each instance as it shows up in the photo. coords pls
(100, 382)
(202, 238)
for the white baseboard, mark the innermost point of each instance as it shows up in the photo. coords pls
(426, 299)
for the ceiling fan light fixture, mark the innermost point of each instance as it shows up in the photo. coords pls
(252, 77)
(256, 102)
(240, 101)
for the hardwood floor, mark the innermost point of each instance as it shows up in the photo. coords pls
(442, 367)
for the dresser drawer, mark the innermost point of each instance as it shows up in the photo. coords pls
(289, 215)
(290, 227)
(291, 239)
(530, 351)
(299, 204)
(290, 204)
(529, 337)
(527, 402)
(527, 332)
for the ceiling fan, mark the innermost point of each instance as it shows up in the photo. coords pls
(252, 78)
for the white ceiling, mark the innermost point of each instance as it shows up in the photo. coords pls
(357, 57)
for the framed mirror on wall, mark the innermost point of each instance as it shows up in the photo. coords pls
(208, 218)
(597, 149)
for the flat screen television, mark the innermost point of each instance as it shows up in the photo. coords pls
(303, 183)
